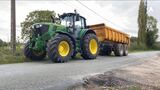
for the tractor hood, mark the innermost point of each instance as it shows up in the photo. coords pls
(41, 28)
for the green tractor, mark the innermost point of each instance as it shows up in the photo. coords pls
(62, 41)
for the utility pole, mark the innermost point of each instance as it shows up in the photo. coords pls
(13, 26)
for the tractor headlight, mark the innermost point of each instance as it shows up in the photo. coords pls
(38, 25)
(40, 29)
(32, 27)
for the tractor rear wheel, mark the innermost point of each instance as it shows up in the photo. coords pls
(60, 48)
(34, 55)
(118, 49)
(90, 46)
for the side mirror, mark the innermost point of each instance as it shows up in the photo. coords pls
(77, 17)
(58, 16)
(53, 19)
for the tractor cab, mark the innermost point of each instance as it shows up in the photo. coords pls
(73, 21)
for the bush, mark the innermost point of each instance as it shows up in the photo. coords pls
(7, 57)
(2, 43)
(156, 46)
(135, 47)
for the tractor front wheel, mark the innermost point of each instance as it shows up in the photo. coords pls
(60, 48)
(32, 54)
(90, 46)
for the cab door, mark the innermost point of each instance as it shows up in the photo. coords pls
(79, 25)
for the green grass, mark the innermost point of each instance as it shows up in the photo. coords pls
(136, 51)
(6, 56)
(134, 47)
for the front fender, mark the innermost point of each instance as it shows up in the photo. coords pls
(65, 33)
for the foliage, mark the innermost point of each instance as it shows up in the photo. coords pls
(35, 17)
(152, 31)
(133, 39)
(156, 46)
(2, 43)
(134, 46)
(142, 22)
(6, 55)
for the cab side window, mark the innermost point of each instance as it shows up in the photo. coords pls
(80, 23)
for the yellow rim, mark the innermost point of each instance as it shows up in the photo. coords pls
(63, 48)
(93, 46)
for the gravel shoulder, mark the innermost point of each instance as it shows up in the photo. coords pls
(144, 76)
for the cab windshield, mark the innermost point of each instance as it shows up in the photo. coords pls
(67, 21)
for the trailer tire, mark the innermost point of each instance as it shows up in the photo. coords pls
(105, 50)
(33, 55)
(125, 49)
(118, 49)
(60, 48)
(90, 46)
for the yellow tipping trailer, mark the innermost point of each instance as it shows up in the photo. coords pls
(111, 40)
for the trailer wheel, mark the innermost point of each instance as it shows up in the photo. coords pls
(60, 48)
(118, 49)
(90, 46)
(33, 55)
(125, 49)
(105, 50)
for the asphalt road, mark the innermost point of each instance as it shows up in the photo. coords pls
(45, 75)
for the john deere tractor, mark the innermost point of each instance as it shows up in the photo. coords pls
(62, 41)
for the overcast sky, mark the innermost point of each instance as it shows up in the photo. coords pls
(121, 15)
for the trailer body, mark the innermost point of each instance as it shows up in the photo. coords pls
(111, 40)
(104, 32)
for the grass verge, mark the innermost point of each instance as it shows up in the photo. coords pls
(6, 56)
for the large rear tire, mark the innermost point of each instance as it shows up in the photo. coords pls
(33, 55)
(90, 46)
(118, 49)
(60, 48)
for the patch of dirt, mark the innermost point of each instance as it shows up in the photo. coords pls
(145, 76)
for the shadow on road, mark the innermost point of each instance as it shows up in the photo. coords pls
(48, 61)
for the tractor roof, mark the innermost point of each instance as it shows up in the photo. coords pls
(69, 14)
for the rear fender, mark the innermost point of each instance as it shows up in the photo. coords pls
(83, 32)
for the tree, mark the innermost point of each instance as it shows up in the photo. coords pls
(35, 17)
(1, 42)
(152, 31)
(133, 39)
(142, 22)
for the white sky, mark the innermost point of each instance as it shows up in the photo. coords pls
(123, 14)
